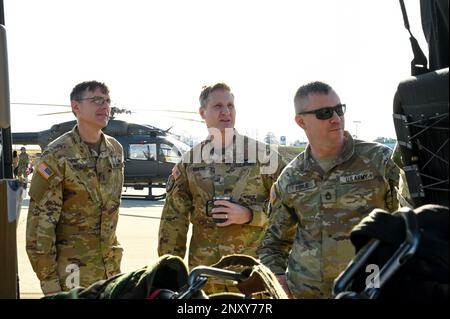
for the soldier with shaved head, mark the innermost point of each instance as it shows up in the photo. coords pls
(322, 194)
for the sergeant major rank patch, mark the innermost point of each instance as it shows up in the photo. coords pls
(328, 195)
(44, 171)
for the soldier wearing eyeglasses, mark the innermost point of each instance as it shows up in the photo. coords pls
(75, 197)
(322, 194)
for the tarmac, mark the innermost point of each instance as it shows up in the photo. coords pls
(137, 232)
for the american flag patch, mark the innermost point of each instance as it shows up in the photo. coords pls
(45, 171)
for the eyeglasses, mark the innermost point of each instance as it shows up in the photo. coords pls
(326, 113)
(99, 100)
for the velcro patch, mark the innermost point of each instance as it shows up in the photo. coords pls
(45, 171)
(360, 177)
(300, 187)
(198, 168)
(328, 195)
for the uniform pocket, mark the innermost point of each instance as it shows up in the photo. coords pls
(307, 204)
(306, 257)
(360, 189)
(115, 178)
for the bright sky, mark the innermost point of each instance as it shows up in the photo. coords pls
(158, 54)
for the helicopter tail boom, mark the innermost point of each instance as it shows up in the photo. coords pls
(25, 138)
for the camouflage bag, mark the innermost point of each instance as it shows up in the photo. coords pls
(156, 281)
(404, 255)
(168, 278)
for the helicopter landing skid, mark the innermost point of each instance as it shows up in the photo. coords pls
(149, 196)
(145, 197)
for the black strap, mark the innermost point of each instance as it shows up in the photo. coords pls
(419, 62)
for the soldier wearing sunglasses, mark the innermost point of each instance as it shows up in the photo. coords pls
(322, 194)
(75, 197)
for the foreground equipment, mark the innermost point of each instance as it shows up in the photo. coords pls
(168, 278)
(401, 255)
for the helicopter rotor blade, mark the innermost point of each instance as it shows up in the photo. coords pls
(115, 110)
(39, 104)
(140, 110)
(55, 113)
(166, 111)
(184, 119)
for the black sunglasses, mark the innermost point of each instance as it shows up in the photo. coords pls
(326, 113)
(99, 100)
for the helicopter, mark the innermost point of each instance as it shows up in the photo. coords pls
(149, 152)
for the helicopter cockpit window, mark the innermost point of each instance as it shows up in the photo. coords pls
(145, 152)
(170, 153)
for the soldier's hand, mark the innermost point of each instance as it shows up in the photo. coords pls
(232, 212)
(283, 282)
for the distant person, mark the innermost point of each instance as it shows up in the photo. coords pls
(22, 165)
(75, 197)
(221, 187)
(15, 164)
(322, 194)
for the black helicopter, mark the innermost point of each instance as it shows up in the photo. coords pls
(149, 152)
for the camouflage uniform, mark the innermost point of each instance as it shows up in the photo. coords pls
(16, 166)
(193, 183)
(313, 212)
(22, 165)
(73, 213)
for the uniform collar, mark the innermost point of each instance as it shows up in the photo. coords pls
(346, 153)
(105, 146)
(208, 139)
(232, 150)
